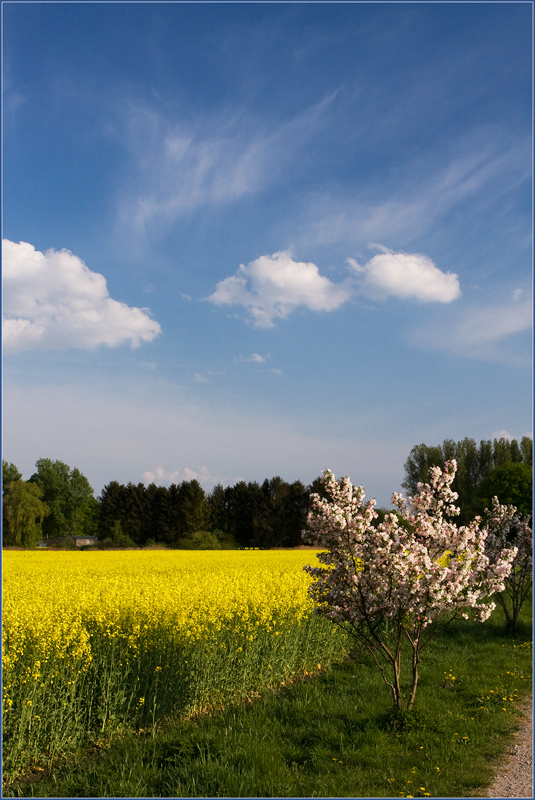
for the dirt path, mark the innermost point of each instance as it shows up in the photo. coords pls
(515, 775)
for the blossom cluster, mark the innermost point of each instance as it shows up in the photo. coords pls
(417, 565)
(506, 527)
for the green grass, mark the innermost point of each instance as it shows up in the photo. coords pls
(327, 736)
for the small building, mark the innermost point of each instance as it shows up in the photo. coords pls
(65, 541)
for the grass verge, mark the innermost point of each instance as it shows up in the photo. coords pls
(327, 736)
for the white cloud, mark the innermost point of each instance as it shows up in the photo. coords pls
(254, 357)
(179, 166)
(53, 301)
(502, 435)
(271, 287)
(161, 477)
(491, 324)
(13, 100)
(483, 333)
(405, 275)
(481, 169)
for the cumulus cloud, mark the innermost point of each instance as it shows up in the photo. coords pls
(161, 477)
(405, 275)
(52, 300)
(271, 287)
(502, 435)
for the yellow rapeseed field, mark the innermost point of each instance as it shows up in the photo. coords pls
(94, 641)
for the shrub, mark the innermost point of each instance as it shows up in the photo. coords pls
(199, 540)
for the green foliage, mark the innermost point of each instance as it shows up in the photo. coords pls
(118, 538)
(512, 484)
(217, 502)
(200, 540)
(246, 515)
(23, 512)
(105, 544)
(9, 473)
(280, 515)
(242, 503)
(154, 512)
(415, 719)
(474, 465)
(194, 508)
(68, 496)
(226, 540)
(88, 518)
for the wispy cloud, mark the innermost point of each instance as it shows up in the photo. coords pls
(13, 99)
(487, 333)
(271, 287)
(179, 166)
(256, 358)
(405, 275)
(54, 301)
(482, 169)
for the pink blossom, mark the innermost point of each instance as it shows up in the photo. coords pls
(420, 579)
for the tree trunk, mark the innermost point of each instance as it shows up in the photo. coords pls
(415, 661)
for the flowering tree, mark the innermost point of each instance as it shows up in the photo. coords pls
(506, 528)
(398, 583)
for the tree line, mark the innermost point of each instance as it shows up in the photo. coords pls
(184, 515)
(58, 501)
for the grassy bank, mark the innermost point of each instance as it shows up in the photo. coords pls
(328, 735)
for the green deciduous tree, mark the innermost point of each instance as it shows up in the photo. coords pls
(24, 513)
(68, 496)
(474, 464)
(9, 473)
(512, 484)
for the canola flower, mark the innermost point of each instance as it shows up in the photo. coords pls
(94, 640)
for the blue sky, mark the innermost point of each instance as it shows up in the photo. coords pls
(258, 239)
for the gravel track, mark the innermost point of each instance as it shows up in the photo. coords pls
(515, 774)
